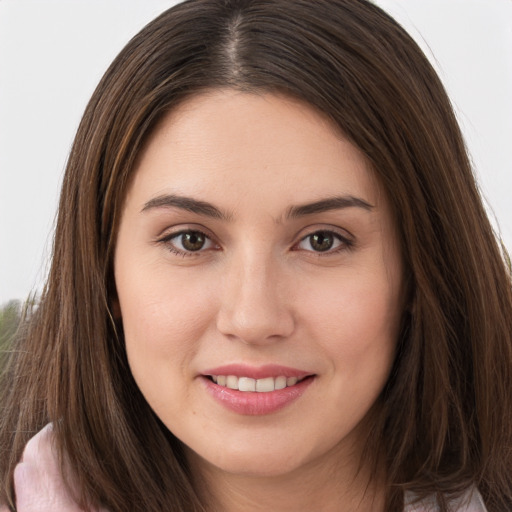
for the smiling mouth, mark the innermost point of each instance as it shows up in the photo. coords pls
(247, 384)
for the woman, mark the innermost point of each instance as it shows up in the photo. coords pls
(274, 286)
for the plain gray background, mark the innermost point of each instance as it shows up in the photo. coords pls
(53, 53)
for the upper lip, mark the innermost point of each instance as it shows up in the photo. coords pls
(257, 372)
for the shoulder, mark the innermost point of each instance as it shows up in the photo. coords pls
(471, 501)
(38, 481)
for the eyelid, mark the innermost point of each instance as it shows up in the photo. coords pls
(328, 228)
(169, 233)
(346, 238)
(183, 227)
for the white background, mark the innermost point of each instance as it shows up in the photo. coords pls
(53, 53)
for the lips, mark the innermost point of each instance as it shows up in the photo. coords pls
(256, 390)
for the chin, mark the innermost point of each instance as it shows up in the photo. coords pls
(256, 462)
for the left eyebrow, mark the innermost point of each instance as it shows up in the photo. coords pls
(186, 203)
(324, 205)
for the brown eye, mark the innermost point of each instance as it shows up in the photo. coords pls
(186, 243)
(324, 241)
(193, 240)
(321, 241)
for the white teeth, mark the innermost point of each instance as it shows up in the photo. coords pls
(265, 385)
(232, 382)
(246, 384)
(259, 385)
(280, 383)
(291, 381)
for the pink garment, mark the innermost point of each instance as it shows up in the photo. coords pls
(39, 486)
(38, 481)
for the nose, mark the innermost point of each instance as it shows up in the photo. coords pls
(255, 306)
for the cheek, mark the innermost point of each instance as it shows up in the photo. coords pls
(154, 300)
(164, 321)
(356, 320)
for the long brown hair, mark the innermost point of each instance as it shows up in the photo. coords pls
(444, 420)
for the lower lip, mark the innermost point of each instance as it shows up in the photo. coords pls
(253, 403)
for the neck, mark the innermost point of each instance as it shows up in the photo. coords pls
(318, 486)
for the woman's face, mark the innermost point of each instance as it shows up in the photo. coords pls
(259, 283)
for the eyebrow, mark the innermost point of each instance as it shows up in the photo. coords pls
(186, 203)
(209, 210)
(324, 205)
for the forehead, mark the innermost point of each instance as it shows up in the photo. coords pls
(267, 146)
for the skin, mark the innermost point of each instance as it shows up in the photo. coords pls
(259, 292)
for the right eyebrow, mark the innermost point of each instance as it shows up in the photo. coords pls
(186, 203)
(330, 203)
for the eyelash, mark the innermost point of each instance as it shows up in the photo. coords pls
(167, 240)
(345, 244)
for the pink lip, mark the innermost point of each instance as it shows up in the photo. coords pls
(252, 403)
(259, 372)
